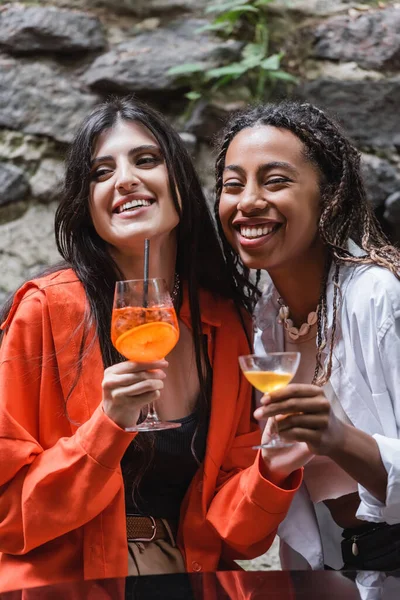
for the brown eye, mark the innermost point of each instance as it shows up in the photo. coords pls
(232, 184)
(99, 173)
(149, 161)
(277, 180)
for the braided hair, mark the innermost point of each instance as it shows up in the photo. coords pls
(345, 211)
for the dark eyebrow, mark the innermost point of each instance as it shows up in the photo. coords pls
(136, 150)
(266, 167)
(235, 168)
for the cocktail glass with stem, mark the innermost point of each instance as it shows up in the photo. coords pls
(267, 374)
(144, 328)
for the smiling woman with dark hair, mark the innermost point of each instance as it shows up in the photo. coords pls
(71, 472)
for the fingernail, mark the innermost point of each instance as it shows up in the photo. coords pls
(258, 413)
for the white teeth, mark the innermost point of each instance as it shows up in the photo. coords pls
(254, 232)
(133, 204)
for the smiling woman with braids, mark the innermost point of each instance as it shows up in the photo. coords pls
(80, 496)
(291, 202)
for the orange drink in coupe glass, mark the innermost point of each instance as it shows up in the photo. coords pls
(267, 374)
(144, 328)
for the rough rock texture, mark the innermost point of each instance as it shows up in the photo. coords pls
(141, 64)
(135, 7)
(190, 142)
(369, 113)
(381, 178)
(206, 120)
(52, 58)
(312, 7)
(13, 183)
(26, 246)
(26, 148)
(40, 98)
(46, 183)
(47, 29)
(147, 7)
(392, 209)
(372, 39)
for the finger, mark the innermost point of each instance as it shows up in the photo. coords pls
(131, 367)
(295, 390)
(144, 399)
(113, 380)
(137, 389)
(294, 405)
(305, 421)
(310, 436)
(266, 399)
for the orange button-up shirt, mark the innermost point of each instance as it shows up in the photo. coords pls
(62, 511)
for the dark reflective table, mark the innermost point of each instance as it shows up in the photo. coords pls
(226, 585)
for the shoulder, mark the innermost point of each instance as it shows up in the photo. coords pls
(64, 281)
(372, 289)
(60, 290)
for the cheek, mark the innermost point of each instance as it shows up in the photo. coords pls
(93, 205)
(305, 213)
(224, 212)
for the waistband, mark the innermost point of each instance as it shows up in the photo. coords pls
(364, 528)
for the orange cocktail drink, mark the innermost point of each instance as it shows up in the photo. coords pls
(267, 381)
(144, 334)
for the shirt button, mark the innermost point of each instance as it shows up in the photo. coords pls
(196, 566)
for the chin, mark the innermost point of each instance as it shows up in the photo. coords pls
(254, 262)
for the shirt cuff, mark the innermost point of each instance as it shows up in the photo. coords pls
(371, 509)
(103, 440)
(264, 493)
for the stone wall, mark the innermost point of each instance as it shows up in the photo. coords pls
(58, 58)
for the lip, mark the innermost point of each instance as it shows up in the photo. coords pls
(250, 222)
(129, 198)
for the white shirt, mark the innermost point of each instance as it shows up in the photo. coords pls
(365, 378)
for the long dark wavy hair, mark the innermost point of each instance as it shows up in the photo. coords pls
(200, 262)
(345, 211)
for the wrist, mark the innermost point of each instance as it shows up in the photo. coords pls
(122, 418)
(338, 446)
(273, 469)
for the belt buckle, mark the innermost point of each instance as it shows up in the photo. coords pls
(150, 539)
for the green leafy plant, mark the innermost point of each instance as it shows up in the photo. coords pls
(256, 69)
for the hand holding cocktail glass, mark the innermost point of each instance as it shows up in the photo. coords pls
(144, 329)
(267, 374)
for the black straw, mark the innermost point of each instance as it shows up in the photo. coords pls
(146, 271)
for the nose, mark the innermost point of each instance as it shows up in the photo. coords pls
(127, 178)
(252, 200)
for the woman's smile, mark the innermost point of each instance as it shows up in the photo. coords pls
(131, 204)
(270, 201)
(130, 191)
(133, 207)
(252, 233)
